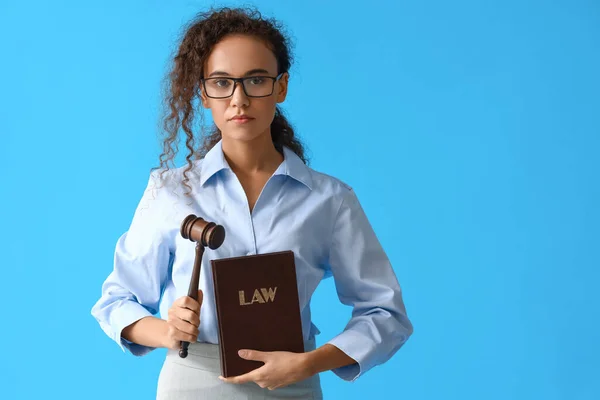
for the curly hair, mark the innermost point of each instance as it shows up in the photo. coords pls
(183, 85)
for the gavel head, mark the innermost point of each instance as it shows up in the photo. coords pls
(206, 233)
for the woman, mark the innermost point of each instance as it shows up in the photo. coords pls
(249, 175)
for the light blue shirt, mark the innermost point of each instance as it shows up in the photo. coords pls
(316, 216)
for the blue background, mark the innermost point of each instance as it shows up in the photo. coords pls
(469, 129)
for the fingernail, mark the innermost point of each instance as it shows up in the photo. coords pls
(242, 353)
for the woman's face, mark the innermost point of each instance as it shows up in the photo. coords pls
(236, 57)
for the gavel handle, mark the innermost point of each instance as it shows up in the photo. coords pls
(193, 290)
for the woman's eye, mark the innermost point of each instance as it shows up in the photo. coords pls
(222, 83)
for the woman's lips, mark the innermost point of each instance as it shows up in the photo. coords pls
(242, 119)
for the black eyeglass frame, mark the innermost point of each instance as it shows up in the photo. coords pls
(241, 81)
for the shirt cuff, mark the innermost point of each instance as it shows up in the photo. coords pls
(123, 316)
(358, 347)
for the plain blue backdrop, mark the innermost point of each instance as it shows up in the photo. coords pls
(469, 129)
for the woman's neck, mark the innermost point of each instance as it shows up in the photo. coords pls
(252, 157)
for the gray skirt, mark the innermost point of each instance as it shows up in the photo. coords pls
(197, 377)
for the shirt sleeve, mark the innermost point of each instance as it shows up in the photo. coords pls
(365, 280)
(141, 259)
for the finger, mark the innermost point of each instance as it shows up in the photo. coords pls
(249, 377)
(277, 386)
(187, 315)
(185, 327)
(254, 355)
(188, 302)
(184, 337)
(177, 336)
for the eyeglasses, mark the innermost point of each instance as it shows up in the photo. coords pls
(254, 86)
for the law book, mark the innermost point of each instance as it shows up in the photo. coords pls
(257, 308)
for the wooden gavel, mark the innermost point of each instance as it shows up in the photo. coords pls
(204, 234)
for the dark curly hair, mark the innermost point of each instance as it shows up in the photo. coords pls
(182, 84)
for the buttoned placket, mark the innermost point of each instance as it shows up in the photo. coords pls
(250, 215)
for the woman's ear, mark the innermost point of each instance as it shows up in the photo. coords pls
(282, 87)
(204, 99)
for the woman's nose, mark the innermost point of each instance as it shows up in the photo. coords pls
(239, 98)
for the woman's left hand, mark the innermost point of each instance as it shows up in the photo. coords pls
(281, 368)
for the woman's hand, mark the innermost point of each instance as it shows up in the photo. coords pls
(281, 368)
(183, 321)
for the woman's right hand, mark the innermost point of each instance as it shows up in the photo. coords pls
(183, 321)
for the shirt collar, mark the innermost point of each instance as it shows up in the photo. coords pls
(213, 162)
(292, 165)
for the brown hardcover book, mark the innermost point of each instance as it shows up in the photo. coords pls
(257, 308)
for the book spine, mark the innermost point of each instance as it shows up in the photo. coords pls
(219, 326)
